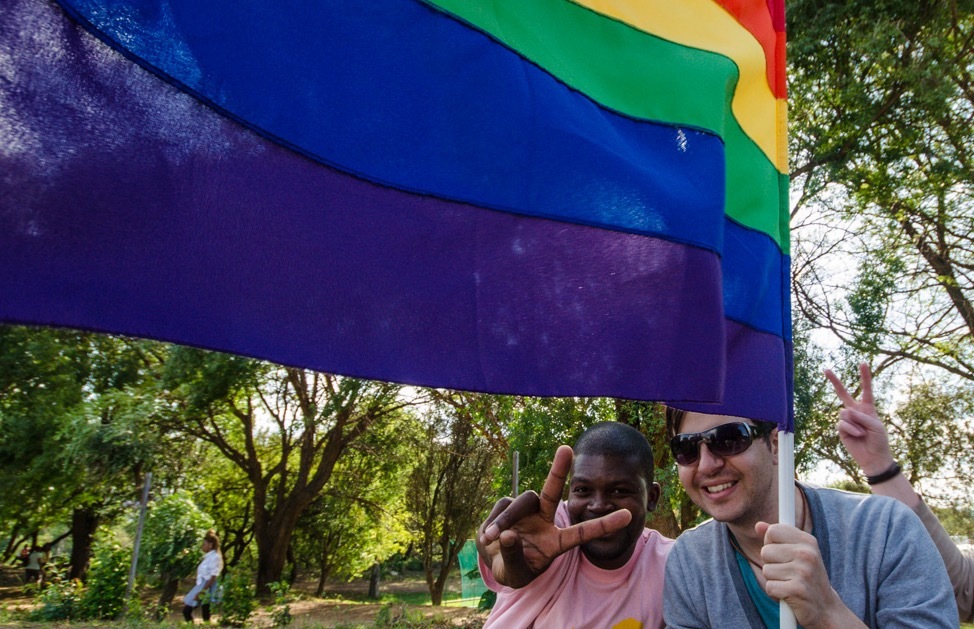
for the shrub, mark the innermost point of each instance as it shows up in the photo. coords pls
(389, 617)
(239, 599)
(487, 600)
(104, 596)
(59, 599)
(171, 537)
(281, 610)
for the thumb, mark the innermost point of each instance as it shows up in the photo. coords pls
(761, 528)
(512, 551)
(848, 429)
(510, 568)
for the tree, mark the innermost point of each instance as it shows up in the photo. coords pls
(73, 435)
(360, 518)
(449, 491)
(222, 490)
(284, 428)
(105, 450)
(882, 100)
(537, 426)
(932, 421)
(815, 404)
(882, 106)
(958, 519)
(42, 375)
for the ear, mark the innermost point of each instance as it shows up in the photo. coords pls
(652, 497)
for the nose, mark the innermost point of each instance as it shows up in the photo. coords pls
(600, 503)
(708, 460)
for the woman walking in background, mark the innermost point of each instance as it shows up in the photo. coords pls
(206, 575)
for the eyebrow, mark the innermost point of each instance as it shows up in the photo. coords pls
(621, 481)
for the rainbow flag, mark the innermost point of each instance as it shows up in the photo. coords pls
(538, 197)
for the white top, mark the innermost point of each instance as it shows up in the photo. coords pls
(35, 559)
(211, 566)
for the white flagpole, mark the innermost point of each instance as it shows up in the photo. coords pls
(786, 505)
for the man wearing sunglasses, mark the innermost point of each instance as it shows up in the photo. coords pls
(851, 560)
(586, 562)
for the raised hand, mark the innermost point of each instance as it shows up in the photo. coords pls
(860, 429)
(519, 539)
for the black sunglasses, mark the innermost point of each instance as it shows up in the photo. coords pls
(723, 440)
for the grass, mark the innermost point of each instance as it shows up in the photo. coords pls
(404, 603)
(408, 598)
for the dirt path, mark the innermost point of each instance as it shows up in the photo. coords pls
(345, 604)
(329, 613)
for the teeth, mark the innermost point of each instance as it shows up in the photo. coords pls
(717, 488)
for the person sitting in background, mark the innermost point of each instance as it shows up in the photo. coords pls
(586, 562)
(864, 437)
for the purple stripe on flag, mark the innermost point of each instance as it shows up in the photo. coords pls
(754, 387)
(417, 291)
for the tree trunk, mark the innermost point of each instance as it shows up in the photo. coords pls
(165, 598)
(8, 550)
(664, 521)
(270, 565)
(323, 572)
(437, 585)
(688, 514)
(436, 591)
(84, 523)
(293, 575)
(273, 532)
(324, 563)
(374, 581)
(272, 545)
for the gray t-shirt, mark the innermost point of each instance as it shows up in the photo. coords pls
(879, 558)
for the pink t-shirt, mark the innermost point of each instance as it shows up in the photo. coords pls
(574, 593)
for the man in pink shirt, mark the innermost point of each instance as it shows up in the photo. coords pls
(588, 561)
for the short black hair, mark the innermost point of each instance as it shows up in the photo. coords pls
(616, 439)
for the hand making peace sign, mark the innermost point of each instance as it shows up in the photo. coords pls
(860, 428)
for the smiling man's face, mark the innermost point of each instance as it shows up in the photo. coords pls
(740, 489)
(603, 484)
